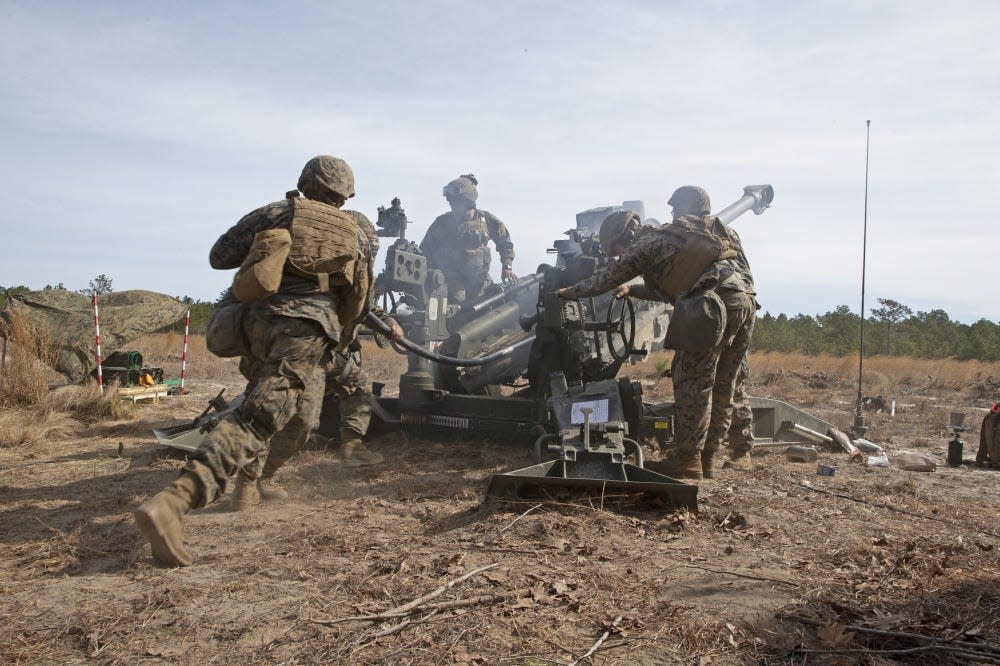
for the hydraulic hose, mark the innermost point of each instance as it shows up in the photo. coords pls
(410, 346)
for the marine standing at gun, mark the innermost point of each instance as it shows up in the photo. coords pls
(308, 310)
(676, 261)
(456, 244)
(690, 205)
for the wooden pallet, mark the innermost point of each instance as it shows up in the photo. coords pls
(137, 393)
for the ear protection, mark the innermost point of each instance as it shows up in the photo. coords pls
(631, 229)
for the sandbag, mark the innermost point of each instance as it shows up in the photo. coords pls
(912, 462)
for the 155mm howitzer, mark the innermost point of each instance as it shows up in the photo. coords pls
(588, 340)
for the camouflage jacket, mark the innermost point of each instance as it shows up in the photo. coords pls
(459, 247)
(298, 297)
(647, 255)
(716, 226)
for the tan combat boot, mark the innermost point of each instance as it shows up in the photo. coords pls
(354, 454)
(246, 495)
(739, 460)
(161, 521)
(680, 465)
(271, 491)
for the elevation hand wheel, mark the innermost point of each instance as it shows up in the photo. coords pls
(620, 327)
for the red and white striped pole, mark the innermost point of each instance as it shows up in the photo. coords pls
(97, 336)
(184, 354)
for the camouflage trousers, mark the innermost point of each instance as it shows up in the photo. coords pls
(741, 429)
(285, 371)
(346, 409)
(347, 402)
(705, 382)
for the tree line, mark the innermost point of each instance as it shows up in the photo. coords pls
(892, 329)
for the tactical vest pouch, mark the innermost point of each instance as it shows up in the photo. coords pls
(477, 261)
(224, 336)
(354, 301)
(260, 274)
(698, 322)
(324, 244)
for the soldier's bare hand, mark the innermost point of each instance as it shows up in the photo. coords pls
(508, 275)
(622, 291)
(397, 332)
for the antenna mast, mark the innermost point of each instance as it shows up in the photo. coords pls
(859, 428)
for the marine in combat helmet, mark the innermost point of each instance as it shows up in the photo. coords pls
(305, 277)
(676, 261)
(690, 205)
(456, 243)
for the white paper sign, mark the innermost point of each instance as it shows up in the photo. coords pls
(599, 415)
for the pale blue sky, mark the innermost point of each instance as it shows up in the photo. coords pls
(133, 134)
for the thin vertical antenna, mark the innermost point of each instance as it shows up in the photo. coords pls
(859, 428)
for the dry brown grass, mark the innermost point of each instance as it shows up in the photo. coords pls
(24, 427)
(29, 411)
(60, 413)
(27, 348)
(882, 374)
(88, 405)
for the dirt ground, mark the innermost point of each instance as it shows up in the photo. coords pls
(778, 566)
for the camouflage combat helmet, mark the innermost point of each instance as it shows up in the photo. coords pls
(463, 187)
(325, 173)
(368, 228)
(614, 227)
(690, 200)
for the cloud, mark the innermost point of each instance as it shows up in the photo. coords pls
(150, 130)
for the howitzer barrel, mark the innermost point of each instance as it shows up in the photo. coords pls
(755, 197)
(522, 285)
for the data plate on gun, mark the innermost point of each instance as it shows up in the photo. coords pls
(598, 414)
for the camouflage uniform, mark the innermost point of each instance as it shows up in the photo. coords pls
(458, 248)
(345, 406)
(290, 337)
(705, 381)
(740, 430)
(695, 374)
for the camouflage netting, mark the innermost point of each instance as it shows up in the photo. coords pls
(69, 316)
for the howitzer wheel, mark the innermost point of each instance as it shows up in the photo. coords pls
(621, 327)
